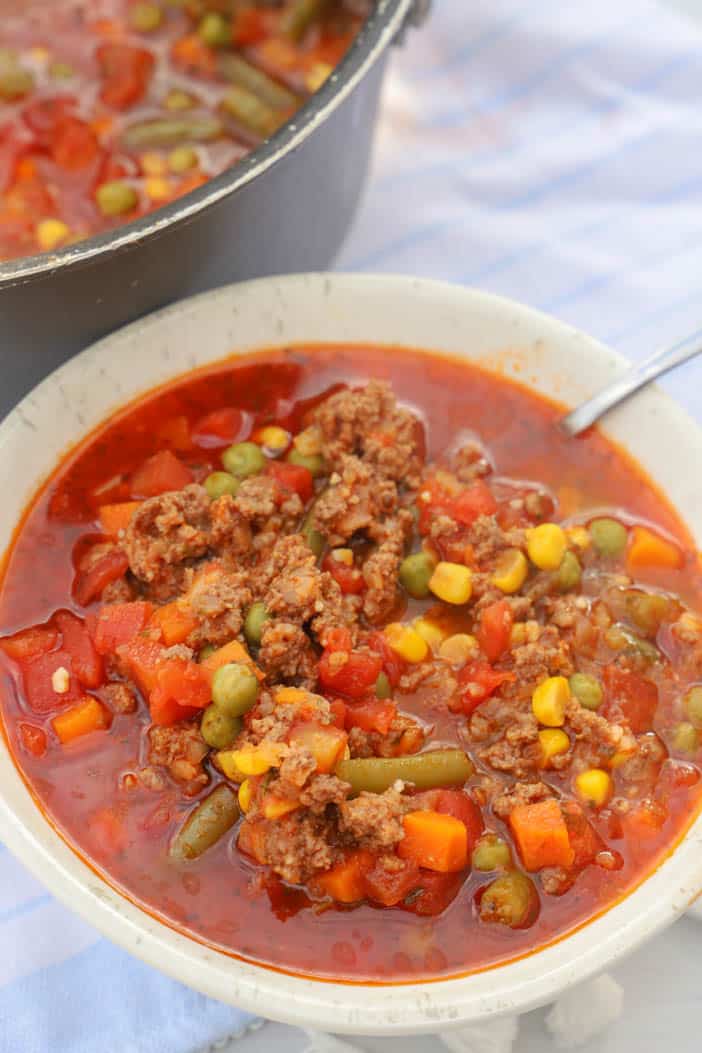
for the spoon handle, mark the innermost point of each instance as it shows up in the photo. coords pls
(634, 378)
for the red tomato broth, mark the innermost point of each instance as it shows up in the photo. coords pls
(222, 898)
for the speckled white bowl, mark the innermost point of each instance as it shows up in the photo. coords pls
(542, 352)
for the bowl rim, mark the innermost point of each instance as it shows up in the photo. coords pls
(377, 33)
(514, 987)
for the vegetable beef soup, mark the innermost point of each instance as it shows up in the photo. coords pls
(346, 661)
(110, 109)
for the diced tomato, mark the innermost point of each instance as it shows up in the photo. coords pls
(220, 428)
(159, 474)
(252, 840)
(338, 712)
(478, 681)
(393, 666)
(118, 623)
(348, 673)
(126, 72)
(74, 144)
(390, 879)
(371, 715)
(33, 739)
(44, 115)
(349, 579)
(85, 660)
(293, 477)
(142, 658)
(494, 629)
(38, 686)
(30, 642)
(461, 806)
(339, 639)
(584, 840)
(434, 501)
(634, 695)
(89, 585)
(250, 26)
(476, 501)
(434, 892)
(181, 690)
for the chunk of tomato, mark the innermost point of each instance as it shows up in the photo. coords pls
(85, 660)
(38, 682)
(494, 629)
(30, 642)
(477, 500)
(348, 673)
(118, 623)
(434, 892)
(220, 428)
(142, 658)
(182, 688)
(74, 144)
(461, 806)
(392, 664)
(349, 579)
(89, 585)
(159, 474)
(294, 478)
(634, 695)
(126, 72)
(478, 681)
(33, 739)
(390, 879)
(371, 715)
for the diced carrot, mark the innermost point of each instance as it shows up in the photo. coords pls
(648, 549)
(118, 623)
(89, 715)
(176, 432)
(30, 642)
(181, 690)
(229, 652)
(345, 881)
(142, 658)
(541, 835)
(33, 739)
(117, 517)
(175, 621)
(85, 660)
(325, 742)
(159, 474)
(434, 841)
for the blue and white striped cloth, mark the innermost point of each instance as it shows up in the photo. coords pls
(546, 151)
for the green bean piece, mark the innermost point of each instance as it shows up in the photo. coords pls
(314, 463)
(219, 483)
(242, 74)
(510, 899)
(182, 159)
(214, 30)
(415, 573)
(686, 738)
(256, 616)
(179, 100)
(116, 197)
(383, 687)
(243, 459)
(61, 71)
(587, 689)
(314, 538)
(491, 853)
(145, 18)
(252, 113)
(298, 18)
(206, 824)
(15, 82)
(172, 131)
(234, 689)
(646, 609)
(427, 771)
(219, 729)
(569, 573)
(693, 705)
(608, 536)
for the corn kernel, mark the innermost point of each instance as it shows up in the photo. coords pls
(343, 555)
(153, 164)
(291, 696)
(594, 786)
(553, 742)
(579, 536)
(50, 233)
(257, 760)
(546, 545)
(275, 807)
(452, 583)
(245, 795)
(273, 438)
(511, 571)
(317, 75)
(157, 188)
(406, 641)
(429, 631)
(309, 441)
(39, 54)
(458, 648)
(549, 701)
(518, 634)
(225, 760)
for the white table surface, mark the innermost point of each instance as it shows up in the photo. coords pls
(662, 982)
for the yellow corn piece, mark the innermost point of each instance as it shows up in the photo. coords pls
(511, 571)
(226, 761)
(245, 795)
(157, 188)
(452, 582)
(257, 760)
(546, 545)
(275, 807)
(579, 536)
(429, 631)
(50, 233)
(594, 786)
(272, 437)
(291, 696)
(153, 164)
(316, 76)
(549, 701)
(406, 641)
(309, 441)
(343, 555)
(553, 741)
(458, 648)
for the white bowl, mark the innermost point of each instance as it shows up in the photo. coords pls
(542, 352)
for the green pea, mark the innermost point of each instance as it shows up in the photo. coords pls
(256, 616)
(182, 159)
(179, 100)
(15, 82)
(243, 459)
(510, 900)
(569, 572)
(646, 609)
(415, 574)
(314, 463)
(234, 689)
(206, 651)
(693, 705)
(491, 853)
(145, 17)
(608, 536)
(214, 30)
(587, 689)
(314, 538)
(219, 483)
(219, 729)
(61, 71)
(686, 738)
(116, 198)
(383, 688)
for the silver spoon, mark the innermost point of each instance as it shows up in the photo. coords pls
(641, 373)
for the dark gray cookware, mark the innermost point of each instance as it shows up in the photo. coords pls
(284, 208)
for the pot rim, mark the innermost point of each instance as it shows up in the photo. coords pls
(377, 33)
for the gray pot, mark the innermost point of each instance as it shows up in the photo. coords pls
(286, 207)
